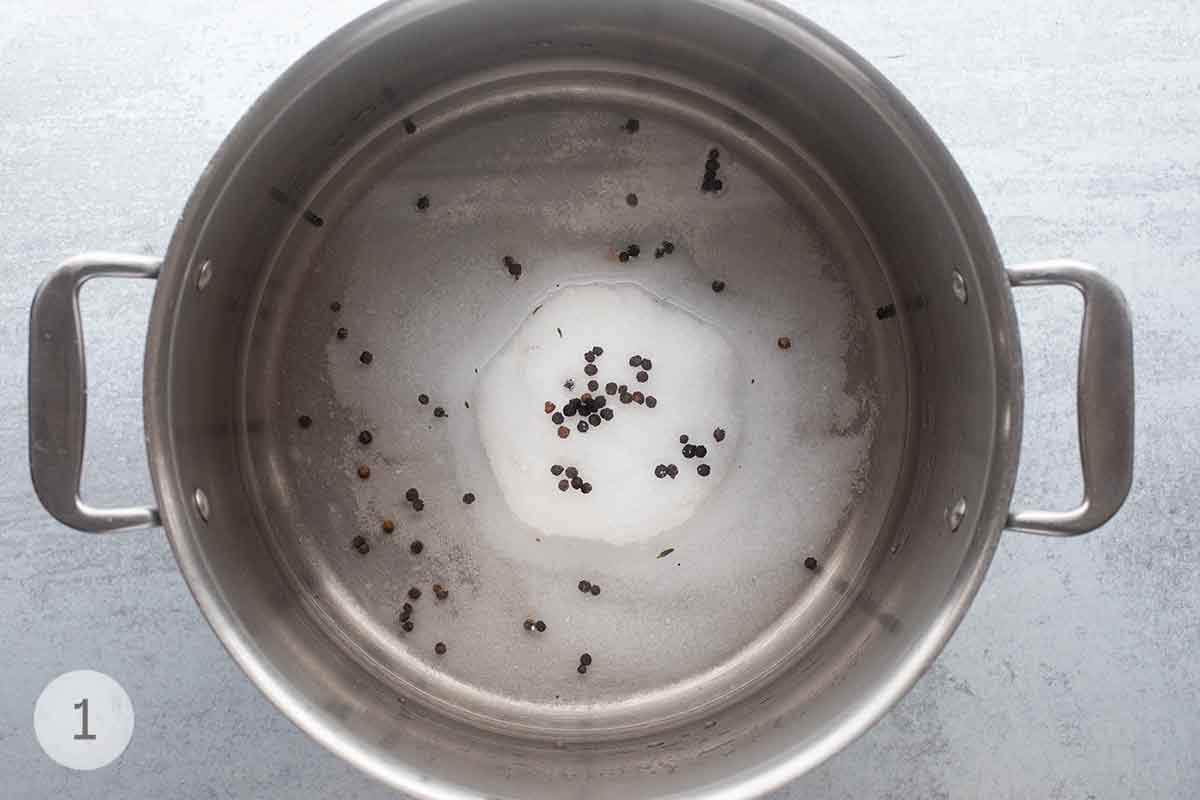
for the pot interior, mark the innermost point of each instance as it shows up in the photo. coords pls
(454, 208)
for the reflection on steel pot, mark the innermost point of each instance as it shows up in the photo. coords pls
(389, 293)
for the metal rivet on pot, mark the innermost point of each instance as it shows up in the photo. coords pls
(201, 501)
(959, 284)
(203, 276)
(955, 514)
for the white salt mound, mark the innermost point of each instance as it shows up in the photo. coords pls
(694, 377)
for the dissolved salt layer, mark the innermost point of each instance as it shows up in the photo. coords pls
(694, 378)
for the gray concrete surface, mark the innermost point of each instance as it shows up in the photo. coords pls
(1075, 674)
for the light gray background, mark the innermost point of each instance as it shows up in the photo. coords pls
(1075, 674)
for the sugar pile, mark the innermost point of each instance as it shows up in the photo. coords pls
(694, 379)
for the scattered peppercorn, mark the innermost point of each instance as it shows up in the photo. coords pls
(719, 434)
(468, 498)
(651, 401)
(439, 412)
(418, 505)
(718, 185)
(632, 125)
(572, 472)
(441, 592)
(703, 470)
(388, 526)
(594, 420)
(581, 669)
(606, 414)
(407, 625)
(582, 426)
(305, 421)
(631, 199)
(556, 470)
(563, 485)
(414, 593)
(514, 269)
(548, 407)
(701, 451)
(883, 312)
(563, 431)
(540, 626)
(557, 419)
(586, 659)
(440, 648)
(359, 543)
(589, 356)
(407, 607)
(366, 357)
(528, 625)
(595, 589)
(364, 437)
(410, 126)
(635, 361)
(423, 202)
(784, 343)
(610, 388)
(718, 286)
(415, 548)
(647, 365)
(586, 488)
(639, 398)
(577, 482)
(626, 398)
(634, 250)
(342, 333)
(672, 470)
(598, 350)
(623, 257)
(683, 438)
(593, 386)
(622, 389)
(406, 614)
(689, 450)
(335, 306)
(585, 586)
(590, 369)
(810, 563)
(423, 399)
(642, 376)
(364, 471)
(668, 247)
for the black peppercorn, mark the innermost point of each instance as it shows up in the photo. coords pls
(586, 659)
(572, 472)
(528, 624)
(305, 421)
(672, 470)
(335, 306)
(718, 286)
(571, 409)
(689, 450)
(594, 420)
(557, 418)
(597, 350)
(590, 369)
(719, 434)
(563, 485)
(589, 356)
(563, 431)
(418, 505)
(423, 399)
(406, 614)
(642, 376)
(623, 257)
(660, 471)
(626, 398)
(439, 412)
(593, 386)
(556, 470)
(647, 365)
(468, 498)
(366, 357)
(810, 563)
(414, 593)
(407, 625)
(423, 202)
(415, 548)
(586, 488)
(651, 401)
(610, 388)
(632, 125)
(631, 199)
(342, 333)
(440, 648)
(635, 361)
(359, 543)
(600, 402)
(540, 626)
(595, 589)
(577, 482)
(581, 669)
(514, 269)
(441, 592)
(668, 247)
(582, 426)
(585, 586)
(703, 470)
(683, 438)
(365, 437)
(639, 398)
(411, 495)
(634, 250)
(784, 343)
(701, 451)
(606, 414)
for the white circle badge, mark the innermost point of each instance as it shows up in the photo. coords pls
(83, 719)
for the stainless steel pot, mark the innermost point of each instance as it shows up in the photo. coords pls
(855, 516)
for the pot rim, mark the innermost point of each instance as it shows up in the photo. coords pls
(174, 501)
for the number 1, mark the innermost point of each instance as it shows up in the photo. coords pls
(82, 704)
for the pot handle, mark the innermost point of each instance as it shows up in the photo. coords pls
(1105, 405)
(58, 392)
